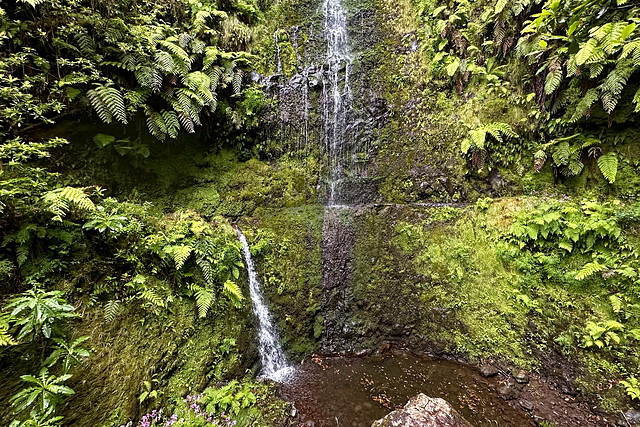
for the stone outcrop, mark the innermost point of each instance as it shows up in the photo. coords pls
(424, 411)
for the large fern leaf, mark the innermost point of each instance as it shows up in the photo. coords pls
(204, 301)
(608, 164)
(590, 269)
(233, 291)
(60, 200)
(553, 79)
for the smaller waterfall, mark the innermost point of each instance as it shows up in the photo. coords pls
(274, 361)
(278, 59)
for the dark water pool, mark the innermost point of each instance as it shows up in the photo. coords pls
(354, 392)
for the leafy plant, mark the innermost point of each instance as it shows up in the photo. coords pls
(632, 387)
(38, 313)
(46, 391)
(602, 334)
(70, 353)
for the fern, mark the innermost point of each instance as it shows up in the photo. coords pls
(613, 84)
(553, 79)
(59, 201)
(149, 77)
(112, 309)
(608, 164)
(152, 297)
(108, 103)
(589, 270)
(204, 301)
(180, 255)
(586, 51)
(636, 100)
(237, 81)
(477, 137)
(584, 105)
(233, 292)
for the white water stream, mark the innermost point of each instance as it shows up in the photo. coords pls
(338, 94)
(274, 362)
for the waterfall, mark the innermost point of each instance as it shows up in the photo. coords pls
(278, 59)
(274, 361)
(338, 94)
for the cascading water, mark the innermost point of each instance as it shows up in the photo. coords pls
(338, 94)
(274, 361)
(278, 59)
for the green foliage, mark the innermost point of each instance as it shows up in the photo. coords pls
(60, 200)
(70, 353)
(478, 137)
(38, 313)
(632, 387)
(230, 399)
(608, 164)
(601, 335)
(45, 392)
(38, 420)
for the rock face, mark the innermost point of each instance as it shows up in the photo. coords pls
(424, 411)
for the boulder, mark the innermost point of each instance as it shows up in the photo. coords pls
(424, 411)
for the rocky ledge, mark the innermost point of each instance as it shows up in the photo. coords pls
(424, 411)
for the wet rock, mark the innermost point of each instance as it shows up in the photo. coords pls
(509, 391)
(629, 418)
(488, 371)
(521, 377)
(424, 411)
(525, 404)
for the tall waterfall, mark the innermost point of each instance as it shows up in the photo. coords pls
(274, 361)
(338, 94)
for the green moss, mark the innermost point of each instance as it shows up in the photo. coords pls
(287, 247)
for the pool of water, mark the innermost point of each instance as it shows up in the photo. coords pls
(354, 392)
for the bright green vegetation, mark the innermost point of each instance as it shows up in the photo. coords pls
(132, 138)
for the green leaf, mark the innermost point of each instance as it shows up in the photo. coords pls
(608, 164)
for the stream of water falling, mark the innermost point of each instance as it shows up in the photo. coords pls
(274, 362)
(338, 95)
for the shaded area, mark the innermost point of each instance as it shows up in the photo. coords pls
(357, 391)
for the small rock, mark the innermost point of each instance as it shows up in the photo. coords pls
(521, 377)
(631, 417)
(509, 391)
(309, 423)
(526, 405)
(294, 411)
(488, 371)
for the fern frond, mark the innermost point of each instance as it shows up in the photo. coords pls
(590, 269)
(204, 301)
(608, 164)
(150, 296)
(149, 77)
(237, 81)
(164, 61)
(108, 103)
(58, 201)
(636, 100)
(112, 309)
(586, 51)
(172, 123)
(233, 291)
(553, 79)
(613, 85)
(181, 254)
(584, 105)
